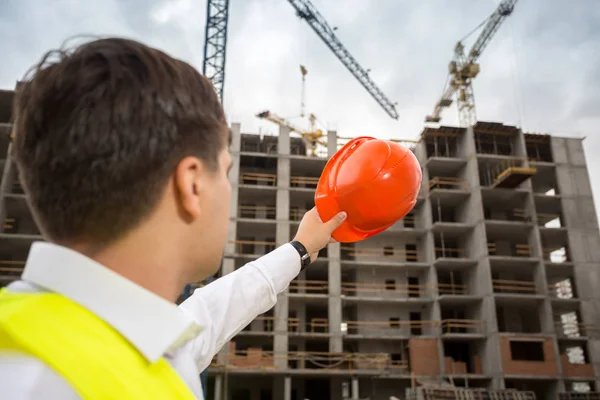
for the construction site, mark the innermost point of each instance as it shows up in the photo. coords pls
(488, 289)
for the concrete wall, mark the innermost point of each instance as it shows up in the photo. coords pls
(583, 235)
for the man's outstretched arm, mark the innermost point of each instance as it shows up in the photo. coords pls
(224, 307)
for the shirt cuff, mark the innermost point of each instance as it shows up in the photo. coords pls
(281, 266)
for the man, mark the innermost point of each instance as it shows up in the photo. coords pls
(122, 151)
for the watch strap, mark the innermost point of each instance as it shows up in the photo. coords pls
(304, 256)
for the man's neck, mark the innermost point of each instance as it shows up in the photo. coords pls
(145, 259)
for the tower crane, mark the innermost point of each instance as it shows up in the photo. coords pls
(463, 68)
(313, 137)
(307, 11)
(215, 43)
(215, 46)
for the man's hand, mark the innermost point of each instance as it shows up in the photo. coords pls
(315, 234)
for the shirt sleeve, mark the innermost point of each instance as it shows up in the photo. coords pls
(224, 307)
(28, 378)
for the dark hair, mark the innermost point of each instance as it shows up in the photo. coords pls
(99, 130)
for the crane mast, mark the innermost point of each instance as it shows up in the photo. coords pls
(308, 12)
(215, 43)
(463, 69)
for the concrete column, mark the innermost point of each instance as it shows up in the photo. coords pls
(335, 301)
(280, 342)
(583, 237)
(481, 282)
(218, 387)
(335, 390)
(9, 176)
(355, 391)
(283, 141)
(287, 388)
(331, 143)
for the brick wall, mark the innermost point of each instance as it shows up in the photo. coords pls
(517, 367)
(569, 369)
(424, 356)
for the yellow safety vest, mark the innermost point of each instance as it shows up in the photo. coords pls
(91, 355)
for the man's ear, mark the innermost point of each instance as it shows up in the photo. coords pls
(189, 185)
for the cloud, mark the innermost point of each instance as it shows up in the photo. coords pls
(540, 71)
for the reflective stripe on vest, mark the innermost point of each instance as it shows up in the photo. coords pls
(98, 362)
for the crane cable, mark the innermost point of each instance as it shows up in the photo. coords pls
(477, 27)
(518, 92)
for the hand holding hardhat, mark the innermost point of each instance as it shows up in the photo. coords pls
(376, 182)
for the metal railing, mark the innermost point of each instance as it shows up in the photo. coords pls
(517, 250)
(320, 326)
(304, 182)
(573, 330)
(258, 359)
(452, 288)
(350, 251)
(356, 289)
(455, 326)
(450, 252)
(261, 211)
(260, 179)
(247, 247)
(448, 183)
(11, 268)
(576, 329)
(512, 286)
(514, 215)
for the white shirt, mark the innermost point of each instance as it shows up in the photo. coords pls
(188, 336)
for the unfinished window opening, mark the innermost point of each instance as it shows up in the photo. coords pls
(394, 322)
(411, 252)
(569, 324)
(563, 289)
(461, 358)
(448, 248)
(409, 221)
(538, 147)
(443, 214)
(390, 285)
(388, 251)
(317, 319)
(575, 355)
(241, 394)
(247, 210)
(527, 351)
(247, 245)
(451, 283)
(557, 256)
(415, 323)
(270, 245)
(581, 387)
(295, 213)
(495, 138)
(266, 394)
(293, 321)
(250, 146)
(413, 286)
(292, 361)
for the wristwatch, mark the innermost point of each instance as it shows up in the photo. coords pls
(304, 256)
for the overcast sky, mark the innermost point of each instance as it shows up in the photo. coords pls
(541, 71)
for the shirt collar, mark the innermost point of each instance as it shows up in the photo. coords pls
(150, 323)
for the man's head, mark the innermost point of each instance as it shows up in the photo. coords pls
(111, 135)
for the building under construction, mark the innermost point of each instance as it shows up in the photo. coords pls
(488, 289)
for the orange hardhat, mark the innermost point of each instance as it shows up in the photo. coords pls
(376, 182)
